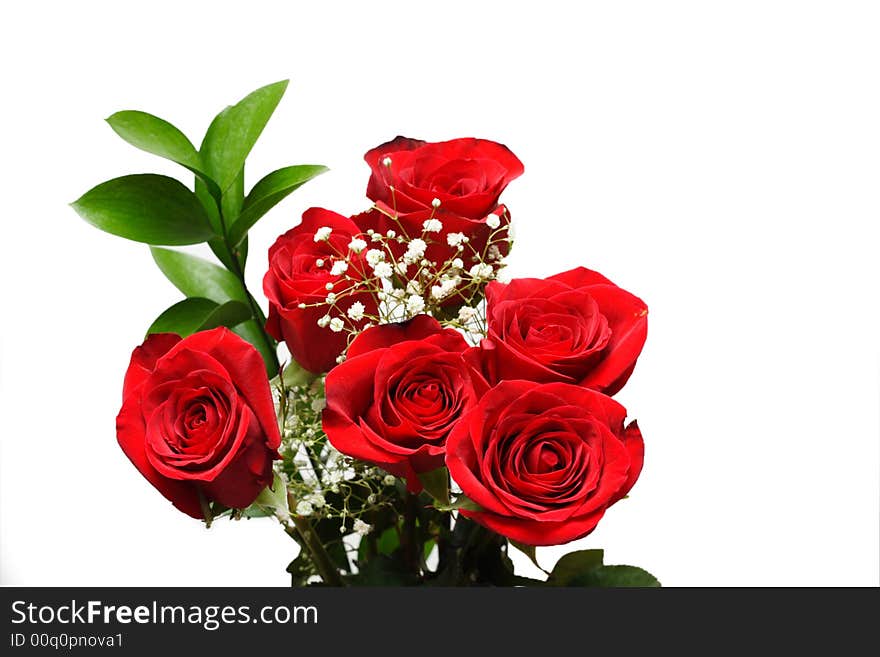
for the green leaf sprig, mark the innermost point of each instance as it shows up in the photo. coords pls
(162, 211)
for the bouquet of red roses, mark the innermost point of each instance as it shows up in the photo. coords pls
(425, 414)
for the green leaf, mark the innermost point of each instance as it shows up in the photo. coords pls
(251, 332)
(196, 277)
(295, 375)
(382, 570)
(146, 208)
(157, 136)
(184, 317)
(234, 131)
(199, 314)
(274, 497)
(229, 314)
(389, 541)
(300, 569)
(233, 198)
(210, 205)
(573, 565)
(217, 244)
(436, 483)
(218, 248)
(528, 550)
(460, 502)
(242, 251)
(268, 192)
(616, 577)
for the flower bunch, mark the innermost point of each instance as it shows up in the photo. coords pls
(432, 414)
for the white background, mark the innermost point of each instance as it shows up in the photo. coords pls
(719, 159)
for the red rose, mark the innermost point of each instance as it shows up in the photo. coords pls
(544, 461)
(197, 419)
(300, 267)
(466, 175)
(398, 394)
(575, 327)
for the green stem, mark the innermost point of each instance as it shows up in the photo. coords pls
(256, 311)
(408, 536)
(310, 540)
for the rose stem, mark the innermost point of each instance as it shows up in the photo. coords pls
(320, 558)
(408, 537)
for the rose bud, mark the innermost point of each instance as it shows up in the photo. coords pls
(197, 419)
(544, 461)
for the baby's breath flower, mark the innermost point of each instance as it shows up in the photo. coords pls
(466, 313)
(415, 250)
(336, 324)
(389, 480)
(415, 304)
(447, 285)
(318, 404)
(362, 528)
(323, 234)
(328, 286)
(457, 263)
(481, 271)
(386, 161)
(339, 268)
(357, 245)
(304, 508)
(436, 203)
(319, 262)
(317, 500)
(454, 239)
(375, 256)
(401, 267)
(383, 270)
(493, 221)
(432, 226)
(390, 234)
(331, 298)
(413, 287)
(356, 310)
(324, 321)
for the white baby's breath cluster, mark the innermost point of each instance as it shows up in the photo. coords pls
(388, 276)
(320, 481)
